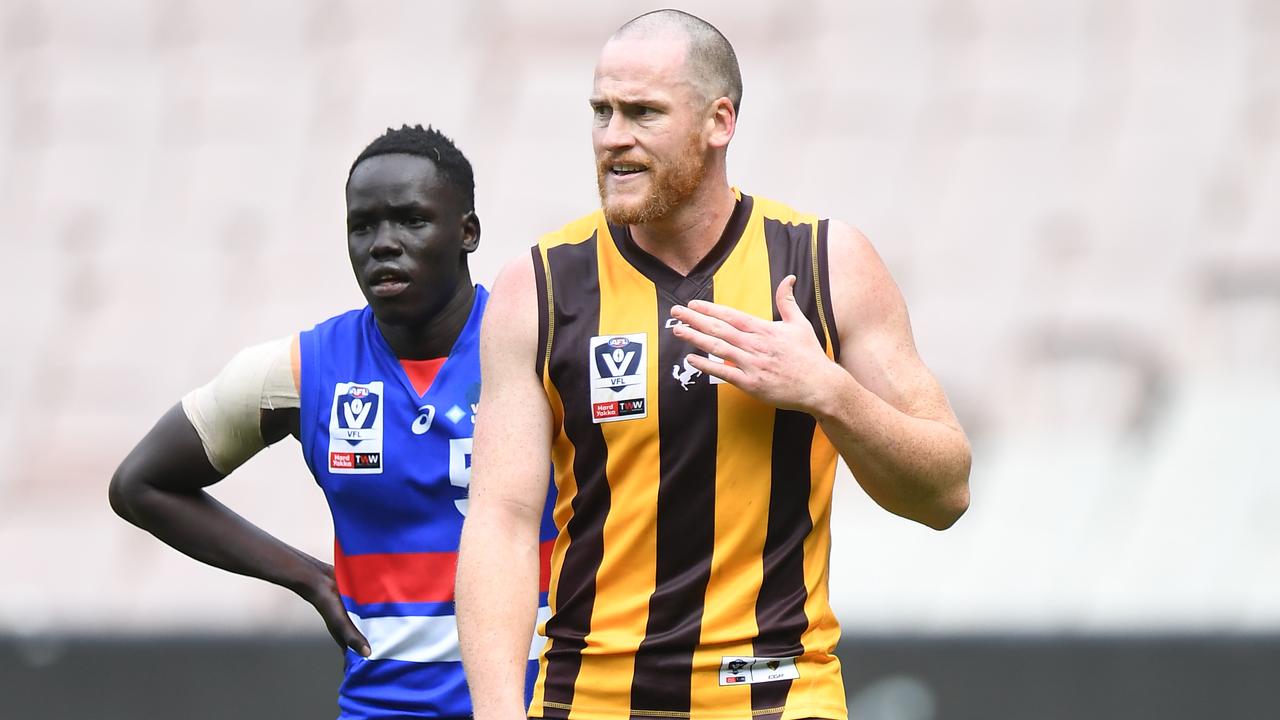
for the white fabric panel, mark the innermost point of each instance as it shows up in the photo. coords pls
(425, 639)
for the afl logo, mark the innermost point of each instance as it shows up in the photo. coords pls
(618, 342)
(359, 408)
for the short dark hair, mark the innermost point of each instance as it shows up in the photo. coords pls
(712, 60)
(432, 145)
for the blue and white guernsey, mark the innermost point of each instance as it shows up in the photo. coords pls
(395, 466)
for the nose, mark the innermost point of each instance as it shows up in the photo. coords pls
(617, 134)
(386, 241)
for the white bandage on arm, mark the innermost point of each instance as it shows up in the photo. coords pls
(226, 412)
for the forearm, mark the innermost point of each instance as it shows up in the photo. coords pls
(160, 488)
(497, 602)
(914, 467)
(199, 526)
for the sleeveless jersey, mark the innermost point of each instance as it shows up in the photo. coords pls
(395, 467)
(689, 576)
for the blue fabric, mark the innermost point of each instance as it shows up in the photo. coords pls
(407, 497)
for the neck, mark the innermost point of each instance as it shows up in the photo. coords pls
(684, 236)
(434, 337)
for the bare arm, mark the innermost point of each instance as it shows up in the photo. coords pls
(880, 406)
(497, 589)
(887, 414)
(160, 488)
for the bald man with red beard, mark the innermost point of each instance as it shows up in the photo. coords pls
(693, 360)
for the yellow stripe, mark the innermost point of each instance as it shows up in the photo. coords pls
(744, 447)
(819, 683)
(562, 453)
(625, 578)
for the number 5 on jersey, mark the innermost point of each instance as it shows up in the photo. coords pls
(460, 468)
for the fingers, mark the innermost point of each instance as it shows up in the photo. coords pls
(340, 626)
(708, 343)
(724, 371)
(785, 298)
(352, 637)
(733, 317)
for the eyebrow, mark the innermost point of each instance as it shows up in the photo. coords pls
(627, 102)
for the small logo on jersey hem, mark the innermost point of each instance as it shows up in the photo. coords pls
(736, 670)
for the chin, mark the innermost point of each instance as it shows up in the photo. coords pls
(395, 311)
(620, 212)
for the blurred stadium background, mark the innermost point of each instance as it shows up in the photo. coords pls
(1072, 195)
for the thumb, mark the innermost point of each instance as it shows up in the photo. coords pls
(786, 300)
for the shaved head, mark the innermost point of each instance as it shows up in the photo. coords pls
(712, 64)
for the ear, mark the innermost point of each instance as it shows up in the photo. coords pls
(470, 232)
(721, 123)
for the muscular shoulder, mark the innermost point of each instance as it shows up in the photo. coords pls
(864, 294)
(511, 317)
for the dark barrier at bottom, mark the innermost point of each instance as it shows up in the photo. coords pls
(888, 678)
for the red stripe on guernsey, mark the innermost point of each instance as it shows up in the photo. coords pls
(409, 577)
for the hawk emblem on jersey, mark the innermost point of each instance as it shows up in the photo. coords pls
(355, 429)
(687, 376)
(619, 370)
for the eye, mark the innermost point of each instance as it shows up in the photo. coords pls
(415, 221)
(359, 228)
(602, 113)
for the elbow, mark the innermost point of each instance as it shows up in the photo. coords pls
(122, 493)
(949, 508)
(118, 495)
(951, 504)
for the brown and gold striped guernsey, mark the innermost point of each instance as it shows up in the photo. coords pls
(689, 578)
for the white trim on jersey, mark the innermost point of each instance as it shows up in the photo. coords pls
(425, 638)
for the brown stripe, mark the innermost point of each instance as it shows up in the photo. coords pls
(577, 315)
(789, 254)
(824, 276)
(780, 614)
(544, 309)
(685, 531)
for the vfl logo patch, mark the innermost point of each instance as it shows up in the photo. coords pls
(752, 670)
(619, 368)
(355, 429)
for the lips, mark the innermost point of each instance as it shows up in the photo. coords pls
(620, 169)
(388, 281)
